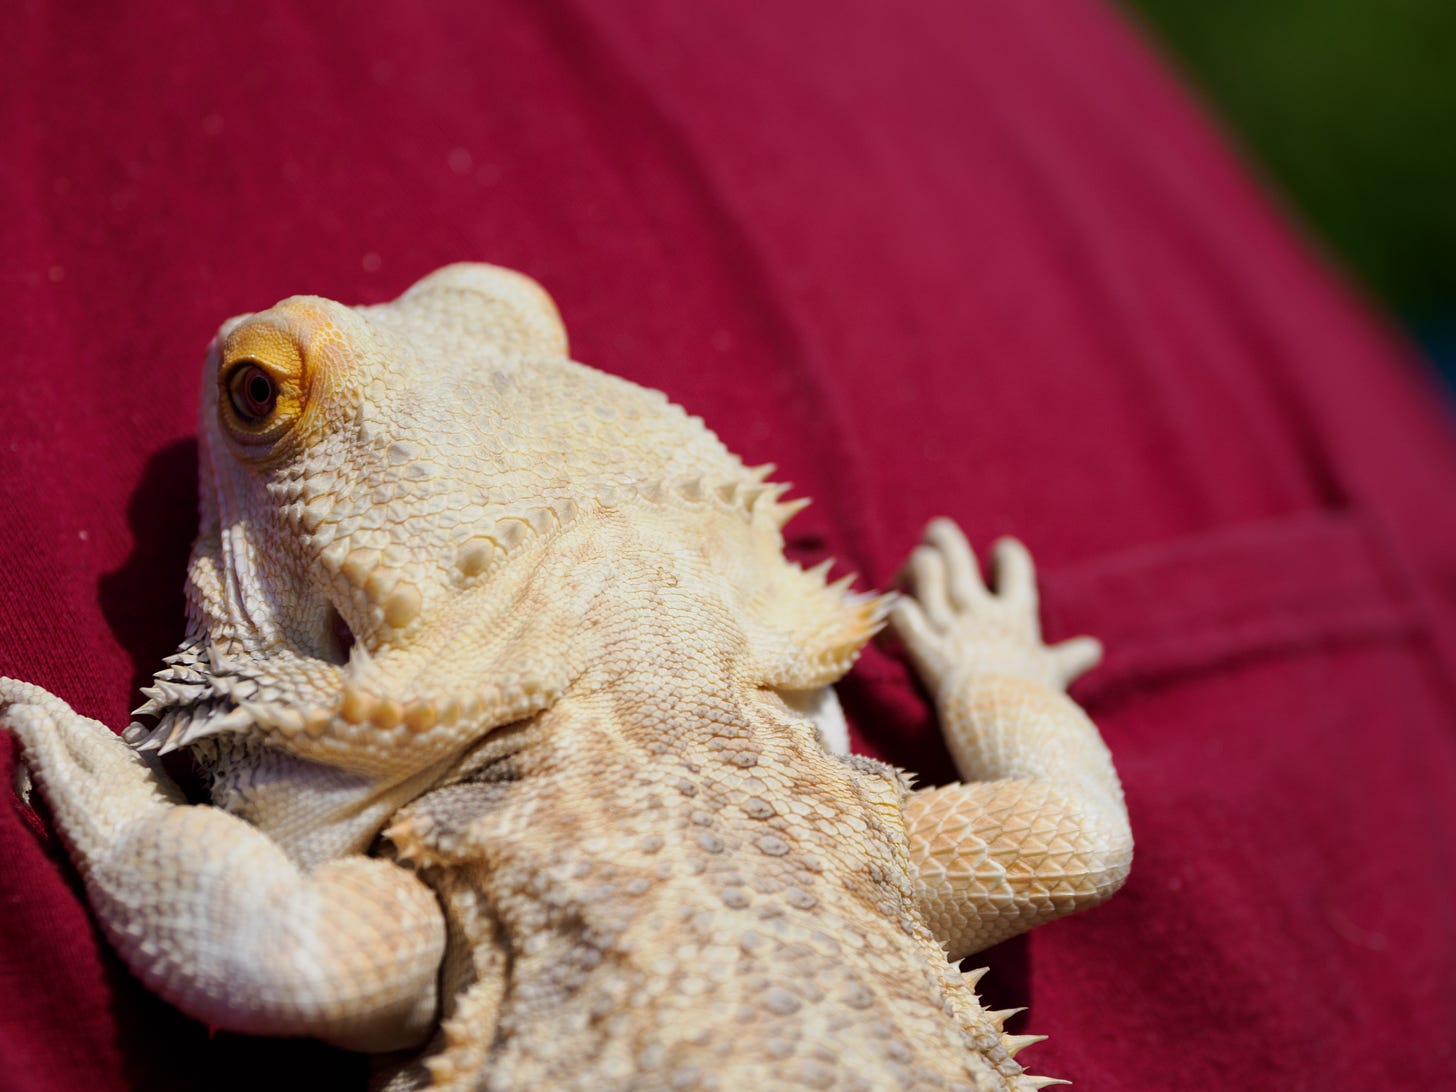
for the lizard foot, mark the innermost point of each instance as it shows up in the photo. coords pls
(954, 624)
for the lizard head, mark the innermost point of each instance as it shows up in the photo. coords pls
(410, 512)
(347, 464)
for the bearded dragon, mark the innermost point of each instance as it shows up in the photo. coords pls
(526, 769)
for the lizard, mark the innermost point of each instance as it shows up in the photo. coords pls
(524, 759)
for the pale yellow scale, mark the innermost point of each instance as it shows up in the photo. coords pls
(523, 748)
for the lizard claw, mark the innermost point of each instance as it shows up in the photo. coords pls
(1075, 657)
(953, 622)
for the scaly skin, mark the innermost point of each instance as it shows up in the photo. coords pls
(525, 633)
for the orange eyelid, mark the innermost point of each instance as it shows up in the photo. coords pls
(275, 349)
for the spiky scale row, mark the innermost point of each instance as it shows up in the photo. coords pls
(749, 496)
(1015, 1044)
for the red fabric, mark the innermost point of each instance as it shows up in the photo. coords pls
(971, 258)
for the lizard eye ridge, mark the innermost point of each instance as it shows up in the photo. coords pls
(252, 392)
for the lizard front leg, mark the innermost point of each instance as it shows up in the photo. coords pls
(1038, 828)
(211, 914)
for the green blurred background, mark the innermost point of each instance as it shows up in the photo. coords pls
(1350, 107)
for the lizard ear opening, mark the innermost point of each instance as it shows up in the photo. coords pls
(339, 639)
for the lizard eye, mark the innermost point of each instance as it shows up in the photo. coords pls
(252, 392)
(263, 385)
